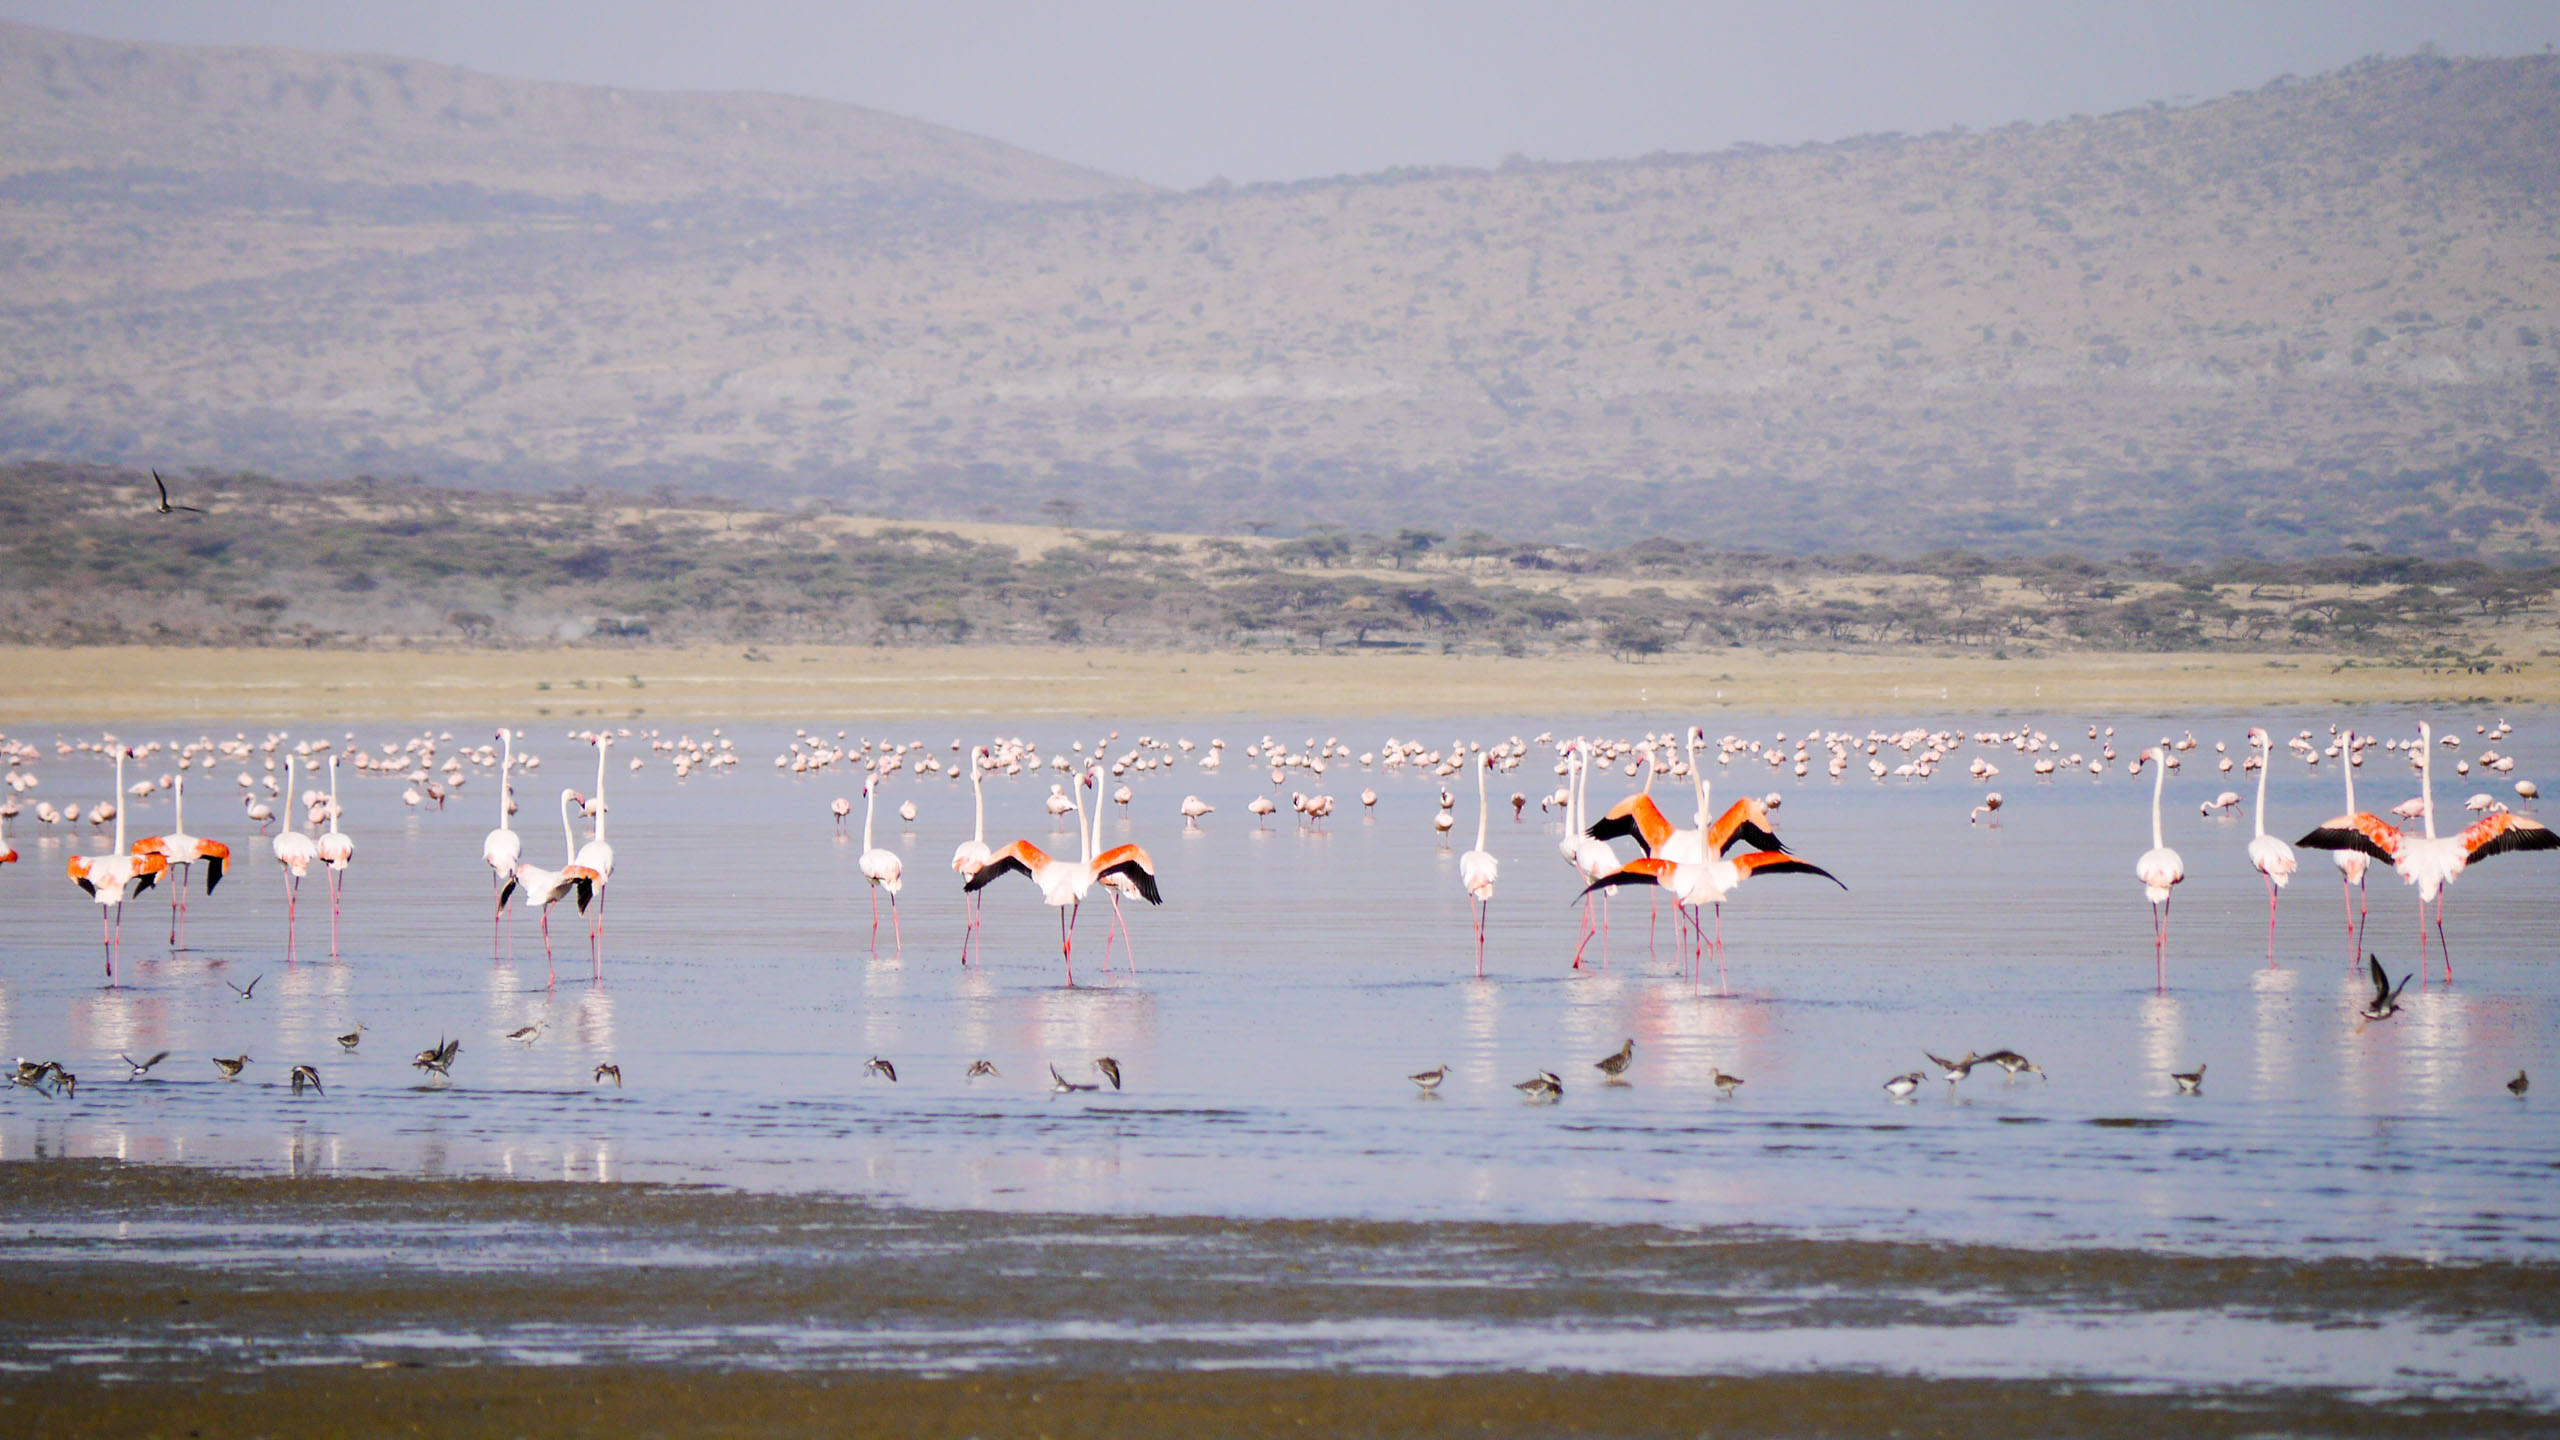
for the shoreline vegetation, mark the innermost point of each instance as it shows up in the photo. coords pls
(378, 598)
(803, 683)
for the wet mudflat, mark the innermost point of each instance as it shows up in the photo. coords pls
(2351, 1229)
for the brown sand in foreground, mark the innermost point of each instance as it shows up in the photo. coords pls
(798, 683)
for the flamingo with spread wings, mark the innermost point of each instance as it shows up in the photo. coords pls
(114, 878)
(2429, 861)
(1064, 883)
(183, 852)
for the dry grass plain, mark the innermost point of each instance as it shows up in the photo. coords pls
(853, 683)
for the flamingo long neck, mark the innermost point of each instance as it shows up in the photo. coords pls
(2349, 769)
(291, 802)
(2425, 777)
(333, 794)
(606, 744)
(870, 789)
(1482, 813)
(120, 796)
(978, 792)
(2159, 778)
(1093, 845)
(2266, 762)
(568, 831)
(179, 819)
(506, 765)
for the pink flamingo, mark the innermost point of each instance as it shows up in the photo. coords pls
(2159, 869)
(2272, 858)
(296, 853)
(114, 878)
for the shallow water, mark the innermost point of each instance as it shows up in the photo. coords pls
(1293, 978)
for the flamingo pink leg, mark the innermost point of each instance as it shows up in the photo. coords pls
(2160, 946)
(1067, 939)
(2271, 922)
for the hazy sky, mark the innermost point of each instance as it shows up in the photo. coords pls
(1176, 92)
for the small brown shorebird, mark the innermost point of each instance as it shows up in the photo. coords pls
(1954, 1070)
(352, 1038)
(1060, 1084)
(2519, 1085)
(1724, 1083)
(978, 1068)
(2190, 1083)
(65, 1083)
(1110, 1069)
(1543, 1086)
(438, 1060)
(609, 1070)
(230, 1068)
(1430, 1079)
(1615, 1065)
(882, 1068)
(2013, 1062)
(140, 1068)
(527, 1034)
(1901, 1086)
(306, 1075)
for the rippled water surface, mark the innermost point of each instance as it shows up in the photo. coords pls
(1293, 978)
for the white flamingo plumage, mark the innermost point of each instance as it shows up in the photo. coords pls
(2159, 869)
(2271, 857)
(1477, 869)
(596, 857)
(183, 852)
(337, 849)
(971, 855)
(296, 852)
(881, 870)
(1064, 884)
(114, 878)
(502, 848)
(543, 888)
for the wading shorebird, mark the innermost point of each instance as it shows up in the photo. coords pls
(438, 1059)
(1901, 1086)
(1543, 1086)
(2190, 1083)
(2013, 1062)
(1725, 1084)
(2386, 996)
(1614, 1065)
(526, 1035)
(1429, 1080)
(1952, 1071)
(230, 1068)
(352, 1038)
(2519, 1085)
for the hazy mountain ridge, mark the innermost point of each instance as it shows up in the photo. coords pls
(2309, 313)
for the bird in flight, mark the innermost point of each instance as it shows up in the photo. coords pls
(245, 991)
(167, 508)
(609, 1069)
(306, 1075)
(141, 1068)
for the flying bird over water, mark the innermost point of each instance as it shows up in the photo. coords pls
(165, 507)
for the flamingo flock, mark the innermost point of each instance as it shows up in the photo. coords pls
(1702, 864)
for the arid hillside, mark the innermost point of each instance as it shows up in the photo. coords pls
(2274, 323)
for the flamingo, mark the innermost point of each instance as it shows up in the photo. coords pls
(183, 851)
(1589, 858)
(336, 848)
(1698, 883)
(2159, 870)
(1193, 807)
(1064, 884)
(1477, 869)
(972, 854)
(2351, 863)
(596, 857)
(1115, 870)
(544, 888)
(2430, 861)
(502, 848)
(881, 870)
(296, 852)
(115, 877)
(840, 807)
(8, 855)
(2273, 858)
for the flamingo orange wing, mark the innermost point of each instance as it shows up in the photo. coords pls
(1135, 863)
(1019, 858)
(1746, 822)
(1636, 815)
(1647, 871)
(1775, 863)
(2370, 834)
(2501, 833)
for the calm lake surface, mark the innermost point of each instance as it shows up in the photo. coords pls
(1293, 978)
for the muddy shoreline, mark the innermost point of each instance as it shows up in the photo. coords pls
(164, 1299)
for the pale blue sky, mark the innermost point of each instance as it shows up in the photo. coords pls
(1177, 92)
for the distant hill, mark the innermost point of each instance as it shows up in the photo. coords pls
(2318, 312)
